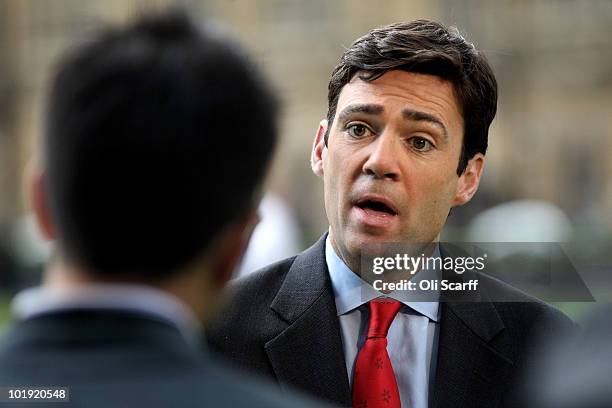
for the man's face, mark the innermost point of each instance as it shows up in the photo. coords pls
(390, 166)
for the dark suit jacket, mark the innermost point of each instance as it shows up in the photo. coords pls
(118, 359)
(282, 323)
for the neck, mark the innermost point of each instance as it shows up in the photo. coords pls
(404, 269)
(191, 286)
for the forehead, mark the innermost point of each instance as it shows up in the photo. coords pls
(399, 90)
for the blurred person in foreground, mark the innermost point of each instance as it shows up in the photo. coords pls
(158, 136)
(404, 141)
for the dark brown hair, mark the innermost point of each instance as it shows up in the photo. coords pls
(426, 47)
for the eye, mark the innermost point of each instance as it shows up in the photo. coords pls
(357, 130)
(420, 144)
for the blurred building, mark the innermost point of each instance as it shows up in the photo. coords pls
(551, 141)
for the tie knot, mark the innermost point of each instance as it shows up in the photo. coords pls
(382, 313)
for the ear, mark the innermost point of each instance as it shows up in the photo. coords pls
(319, 149)
(231, 245)
(469, 180)
(37, 191)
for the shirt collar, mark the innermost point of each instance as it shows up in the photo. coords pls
(147, 300)
(350, 291)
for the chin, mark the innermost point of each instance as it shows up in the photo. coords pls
(358, 241)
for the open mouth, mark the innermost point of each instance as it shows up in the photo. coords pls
(376, 206)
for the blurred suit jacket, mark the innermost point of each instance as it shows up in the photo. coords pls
(121, 359)
(282, 323)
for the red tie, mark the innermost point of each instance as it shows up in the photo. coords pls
(374, 382)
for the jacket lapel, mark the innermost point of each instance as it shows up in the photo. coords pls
(469, 371)
(308, 354)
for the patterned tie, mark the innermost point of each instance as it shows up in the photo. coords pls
(374, 382)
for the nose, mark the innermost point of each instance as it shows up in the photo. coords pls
(382, 162)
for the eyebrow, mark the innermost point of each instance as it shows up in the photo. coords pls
(425, 117)
(366, 108)
(409, 114)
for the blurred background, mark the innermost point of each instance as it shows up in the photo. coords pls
(548, 174)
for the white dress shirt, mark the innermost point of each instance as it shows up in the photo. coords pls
(412, 337)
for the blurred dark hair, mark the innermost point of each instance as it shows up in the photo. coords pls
(425, 47)
(157, 136)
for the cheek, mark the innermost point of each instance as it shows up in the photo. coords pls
(332, 194)
(330, 180)
(438, 193)
(336, 172)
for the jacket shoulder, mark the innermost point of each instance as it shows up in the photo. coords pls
(246, 322)
(266, 280)
(528, 322)
(515, 306)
